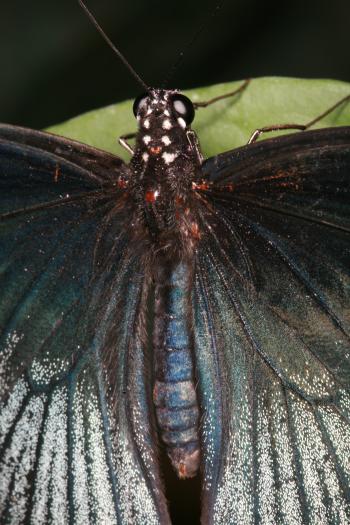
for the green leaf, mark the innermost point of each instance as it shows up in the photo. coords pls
(228, 123)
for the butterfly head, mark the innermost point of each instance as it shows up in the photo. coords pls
(163, 117)
(165, 107)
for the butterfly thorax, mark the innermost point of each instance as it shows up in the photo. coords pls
(163, 169)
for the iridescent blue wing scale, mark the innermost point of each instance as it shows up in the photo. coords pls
(73, 449)
(271, 304)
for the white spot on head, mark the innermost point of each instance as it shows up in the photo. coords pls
(166, 140)
(181, 122)
(146, 139)
(166, 113)
(149, 111)
(180, 107)
(146, 123)
(142, 104)
(169, 157)
(145, 156)
(167, 124)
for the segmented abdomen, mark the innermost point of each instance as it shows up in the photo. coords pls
(174, 391)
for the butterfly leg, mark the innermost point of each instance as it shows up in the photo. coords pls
(276, 127)
(194, 143)
(302, 127)
(206, 103)
(123, 141)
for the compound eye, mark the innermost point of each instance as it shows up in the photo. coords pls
(139, 103)
(183, 107)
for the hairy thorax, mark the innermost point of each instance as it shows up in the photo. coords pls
(163, 169)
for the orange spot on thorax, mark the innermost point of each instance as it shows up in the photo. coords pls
(155, 150)
(151, 195)
(200, 185)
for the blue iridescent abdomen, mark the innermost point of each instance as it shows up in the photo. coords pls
(174, 391)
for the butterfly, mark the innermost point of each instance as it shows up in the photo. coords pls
(196, 306)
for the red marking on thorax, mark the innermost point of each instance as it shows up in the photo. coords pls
(200, 185)
(151, 195)
(155, 150)
(195, 230)
(122, 183)
(179, 201)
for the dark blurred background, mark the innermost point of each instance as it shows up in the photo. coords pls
(54, 65)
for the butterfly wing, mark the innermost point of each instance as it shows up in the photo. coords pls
(73, 449)
(272, 319)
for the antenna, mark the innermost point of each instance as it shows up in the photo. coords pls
(112, 46)
(211, 14)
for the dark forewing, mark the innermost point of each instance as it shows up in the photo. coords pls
(272, 305)
(76, 443)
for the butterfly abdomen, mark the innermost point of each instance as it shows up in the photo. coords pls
(174, 391)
